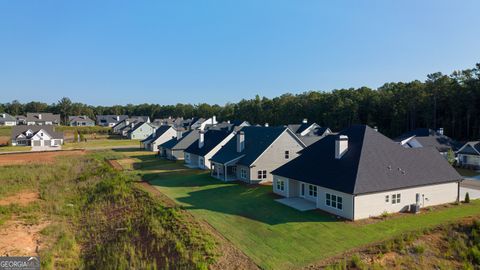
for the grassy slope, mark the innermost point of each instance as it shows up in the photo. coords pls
(86, 203)
(273, 235)
(102, 143)
(5, 131)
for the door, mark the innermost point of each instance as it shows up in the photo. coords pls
(302, 190)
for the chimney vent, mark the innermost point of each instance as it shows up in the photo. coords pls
(40, 116)
(240, 141)
(179, 134)
(214, 120)
(201, 139)
(375, 128)
(267, 125)
(118, 118)
(341, 146)
(440, 131)
(305, 120)
(4, 115)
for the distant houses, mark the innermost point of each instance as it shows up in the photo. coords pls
(42, 119)
(38, 137)
(80, 121)
(469, 155)
(7, 120)
(359, 173)
(254, 153)
(110, 120)
(424, 137)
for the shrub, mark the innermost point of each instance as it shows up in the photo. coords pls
(419, 249)
(467, 198)
(356, 262)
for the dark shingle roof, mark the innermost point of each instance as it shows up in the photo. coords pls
(428, 137)
(79, 118)
(257, 139)
(211, 139)
(372, 163)
(470, 148)
(111, 118)
(187, 139)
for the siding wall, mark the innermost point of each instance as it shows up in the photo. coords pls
(375, 204)
(470, 159)
(168, 135)
(274, 156)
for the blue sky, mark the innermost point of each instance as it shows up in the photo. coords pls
(166, 52)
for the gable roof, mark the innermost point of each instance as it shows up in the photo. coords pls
(79, 118)
(17, 130)
(257, 140)
(470, 148)
(45, 117)
(111, 118)
(424, 137)
(157, 134)
(138, 125)
(5, 117)
(183, 143)
(211, 139)
(372, 163)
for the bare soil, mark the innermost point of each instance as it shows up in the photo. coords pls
(114, 164)
(21, 198)
(4, 140)
(20, 239)
(33, 157)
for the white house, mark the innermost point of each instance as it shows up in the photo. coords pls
(7, 120)
(198, 154)
(161, 135)
(469, 154)
(37, 136)
(360, 173)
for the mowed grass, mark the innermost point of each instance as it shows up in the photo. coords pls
(273, 235)
(102, 143)
(14, 148)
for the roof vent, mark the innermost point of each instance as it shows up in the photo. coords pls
(267, 125)
(375, 128)
(341, 146)
(201, 139)
(440, 131)
(305, 120)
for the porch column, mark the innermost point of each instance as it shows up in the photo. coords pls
(225, 175)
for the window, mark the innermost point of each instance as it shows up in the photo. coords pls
(262, 174)
(396, 198)
(334, 201)
(280, 185)
(243, 173)
(387, 198)
(287, 154)
(234, 170)
(312, 190)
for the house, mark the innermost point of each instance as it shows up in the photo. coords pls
(254, 153)
(198, 154)
(43, 119)
(110, 120)
(141, 131)
(124, 126)
(174, 122)
(37, 136)
(469, 154)
(309, 133)
(161, 135)
(201, 123)
(21, 119)
(424, 137)
(7, 120)
(174, 149)
(360, 173)
(80, 121)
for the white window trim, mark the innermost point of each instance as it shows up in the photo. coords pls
(336, 201)
(280, 186)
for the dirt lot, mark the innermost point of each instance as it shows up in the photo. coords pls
(42, 157)
(21, 198)
(4, 140)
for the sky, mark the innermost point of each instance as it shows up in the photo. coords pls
(168, 52)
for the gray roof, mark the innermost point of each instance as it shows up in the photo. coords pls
(257, 140)
(428, 137)
(110, 118)
(7, 118)
(183, 143)
(45, 117)
(17, 130)
(79, 118)
(211, 139)
(309, 140)
(372, 163)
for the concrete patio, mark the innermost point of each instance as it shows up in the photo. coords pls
(297, 203)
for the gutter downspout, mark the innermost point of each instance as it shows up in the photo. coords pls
(458, 191)
(353, 207)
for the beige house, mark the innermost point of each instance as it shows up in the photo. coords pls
(254, 153)
(360, 173)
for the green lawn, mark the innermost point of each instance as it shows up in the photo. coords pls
(273, 235)
(14, 148)
(102, 143)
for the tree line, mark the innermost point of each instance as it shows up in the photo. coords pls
(448, 101)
